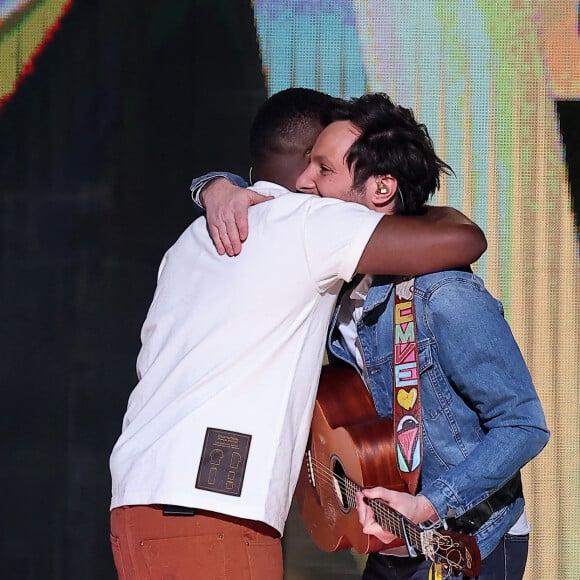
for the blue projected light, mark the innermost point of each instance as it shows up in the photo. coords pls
(310, 43)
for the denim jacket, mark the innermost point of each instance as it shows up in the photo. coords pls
(482, 419)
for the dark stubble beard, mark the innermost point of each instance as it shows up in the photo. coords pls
(357, 195)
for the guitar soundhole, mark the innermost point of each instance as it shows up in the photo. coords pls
(339, 484)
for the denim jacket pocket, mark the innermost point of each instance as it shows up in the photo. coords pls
(435, 392)
(425, 355)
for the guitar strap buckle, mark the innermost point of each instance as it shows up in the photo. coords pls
(473, 519)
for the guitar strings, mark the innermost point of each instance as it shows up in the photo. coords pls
(393, 518)
(329, 477)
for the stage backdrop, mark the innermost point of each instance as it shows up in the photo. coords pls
(108, 108)
(497, 85)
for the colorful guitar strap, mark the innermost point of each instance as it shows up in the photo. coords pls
(406, 391)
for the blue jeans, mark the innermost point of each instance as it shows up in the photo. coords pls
(506, 562)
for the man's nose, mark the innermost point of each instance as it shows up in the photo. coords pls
(304, 183)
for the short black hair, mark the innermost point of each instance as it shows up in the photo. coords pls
(286, 113)
(393, 142)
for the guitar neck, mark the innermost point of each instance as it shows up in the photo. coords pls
(388, 518)
(457, 551)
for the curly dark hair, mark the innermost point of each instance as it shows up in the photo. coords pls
(392, 142)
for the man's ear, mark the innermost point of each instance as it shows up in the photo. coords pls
(385, 191)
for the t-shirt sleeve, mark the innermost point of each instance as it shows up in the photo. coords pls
(335, 235)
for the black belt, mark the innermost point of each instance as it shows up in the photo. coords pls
(474, 518)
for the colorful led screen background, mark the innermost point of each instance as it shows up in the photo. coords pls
(486, 77)
(108, 108)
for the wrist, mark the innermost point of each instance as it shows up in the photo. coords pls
(206, 187)
(425, 510)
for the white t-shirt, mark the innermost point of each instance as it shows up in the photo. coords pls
(230, 360)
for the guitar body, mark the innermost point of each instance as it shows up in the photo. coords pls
(347, 439)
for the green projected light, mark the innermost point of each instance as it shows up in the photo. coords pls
(25, 29)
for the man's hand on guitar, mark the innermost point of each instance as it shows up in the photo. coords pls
(226, 207)
(417, 508)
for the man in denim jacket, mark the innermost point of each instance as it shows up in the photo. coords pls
(481, 417)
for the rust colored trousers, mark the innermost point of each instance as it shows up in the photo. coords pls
(148, 545)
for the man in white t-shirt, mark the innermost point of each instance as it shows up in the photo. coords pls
(215, 430)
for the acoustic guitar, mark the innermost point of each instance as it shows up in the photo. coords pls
(351, 448)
